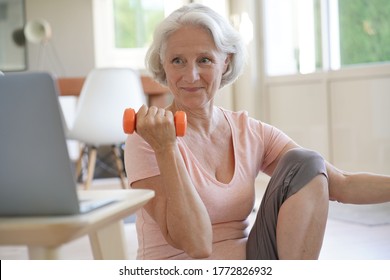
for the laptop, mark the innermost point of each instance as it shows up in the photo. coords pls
(36, 177)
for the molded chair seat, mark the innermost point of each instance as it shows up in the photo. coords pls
(98, 120)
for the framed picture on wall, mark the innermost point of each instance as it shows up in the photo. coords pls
(12, 40)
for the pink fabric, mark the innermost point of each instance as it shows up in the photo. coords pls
(256, 145)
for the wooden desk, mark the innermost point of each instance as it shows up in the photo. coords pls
(44, 235)
(156, 93)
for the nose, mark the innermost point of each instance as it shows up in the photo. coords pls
(191, 73)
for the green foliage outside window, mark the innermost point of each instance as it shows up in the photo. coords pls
(364, 31)
(135, 21)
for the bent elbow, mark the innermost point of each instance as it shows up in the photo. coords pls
(200, 252)
(196, 249)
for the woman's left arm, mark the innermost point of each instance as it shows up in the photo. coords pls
(348, 187)
(357, 188)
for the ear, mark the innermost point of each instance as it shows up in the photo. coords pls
(227, 62)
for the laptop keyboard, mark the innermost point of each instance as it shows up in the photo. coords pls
(90, 205)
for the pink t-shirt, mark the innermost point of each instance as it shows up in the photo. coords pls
(256, 145)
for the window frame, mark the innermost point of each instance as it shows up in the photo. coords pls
(282, 62)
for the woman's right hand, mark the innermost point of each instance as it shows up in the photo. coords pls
(156, 126)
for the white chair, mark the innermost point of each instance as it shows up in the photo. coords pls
(98, 120)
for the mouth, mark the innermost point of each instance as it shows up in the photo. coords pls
(191, 89)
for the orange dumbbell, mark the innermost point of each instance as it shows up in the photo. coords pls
(129, 120)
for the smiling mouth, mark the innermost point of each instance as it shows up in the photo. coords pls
(192, 89)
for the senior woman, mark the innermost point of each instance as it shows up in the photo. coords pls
(204, 182)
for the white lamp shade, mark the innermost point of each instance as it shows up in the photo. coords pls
(37, 31)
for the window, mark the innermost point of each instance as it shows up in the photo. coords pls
(364, 31)
(134, 21)
(124, 28)
(304, 36)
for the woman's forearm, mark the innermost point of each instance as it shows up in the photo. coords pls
(187, 221)
(358, 188)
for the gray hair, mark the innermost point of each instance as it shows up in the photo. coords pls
(226, 39)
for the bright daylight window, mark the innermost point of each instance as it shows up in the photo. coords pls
(364, 31)
(124, 28)
(134, 21)
(304, 36)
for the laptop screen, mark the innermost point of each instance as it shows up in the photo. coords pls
(35, 170)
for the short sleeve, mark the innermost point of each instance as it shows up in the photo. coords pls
(274, 142)
(140, 159)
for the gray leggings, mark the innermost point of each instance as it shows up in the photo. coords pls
(296, 168)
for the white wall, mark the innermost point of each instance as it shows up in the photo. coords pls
(342, 114)
(300, 109)
(360, 118)
(70, 52)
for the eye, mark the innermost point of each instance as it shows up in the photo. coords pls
(177, 61)
(205, 60)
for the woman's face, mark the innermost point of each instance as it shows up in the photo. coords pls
(193, 66)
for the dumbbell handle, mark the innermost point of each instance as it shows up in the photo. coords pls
(129, 121)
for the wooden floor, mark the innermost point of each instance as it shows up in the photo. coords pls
(343, 240)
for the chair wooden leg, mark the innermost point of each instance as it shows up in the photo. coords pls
(119, 166)
(79, 163)
(91, 167)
